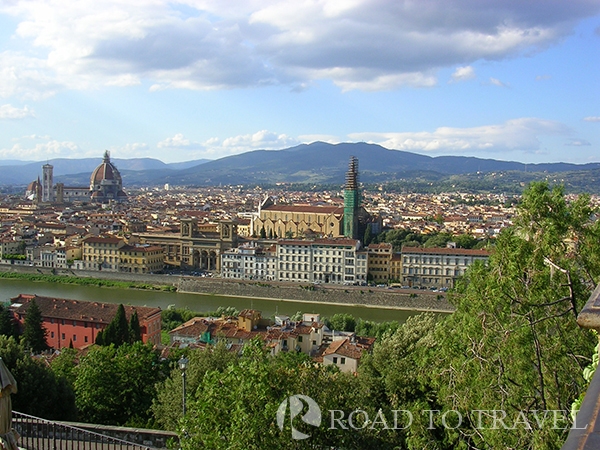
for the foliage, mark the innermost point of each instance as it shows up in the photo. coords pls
(513, 343)
(115, 386)
(341, 322)
(34, 333)
(135, 332)
(83, 281)
(7, 324)
(39, 389)
(117, 331)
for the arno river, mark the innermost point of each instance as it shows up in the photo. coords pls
(194, 302)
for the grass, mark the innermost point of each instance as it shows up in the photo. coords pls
(84, 281)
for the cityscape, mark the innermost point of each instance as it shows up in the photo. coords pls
(287, 225)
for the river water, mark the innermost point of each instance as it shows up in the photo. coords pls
(194, 302)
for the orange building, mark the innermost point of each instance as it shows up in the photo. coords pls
(78, 322)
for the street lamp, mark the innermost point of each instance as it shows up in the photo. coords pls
(183, 362)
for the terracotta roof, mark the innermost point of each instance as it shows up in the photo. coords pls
(306, 209)
(60, 308)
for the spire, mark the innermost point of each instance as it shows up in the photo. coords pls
(352, 174)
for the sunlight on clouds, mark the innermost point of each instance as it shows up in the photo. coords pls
(357, 44)
(592, 119)
(514, 135)
(41, 151)
(176, 141)
(463, 74)
(10, 112)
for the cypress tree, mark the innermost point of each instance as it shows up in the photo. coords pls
(34, 333)
(7, 326)
(135, 332)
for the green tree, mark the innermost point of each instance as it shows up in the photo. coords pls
(513, 343)
(135, 332)
(341, 322)
(7, 324)
(368, 237)
(34, 333)
(117, 331)
(39, 389)
(115, 386)
(263, 233)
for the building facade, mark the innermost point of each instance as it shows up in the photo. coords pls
(78, 322)
(437, 267)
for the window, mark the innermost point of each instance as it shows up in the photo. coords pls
(299, 338)
(52, 334)
(63, 336)
(335, 360)
(74, 337)
(343, 361)
(85, 338)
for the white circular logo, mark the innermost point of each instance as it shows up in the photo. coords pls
(297, 402)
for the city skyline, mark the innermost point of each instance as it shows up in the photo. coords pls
(187, 80)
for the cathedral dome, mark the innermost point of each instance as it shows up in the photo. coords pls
(106, 183)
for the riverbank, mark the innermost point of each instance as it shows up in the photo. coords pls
(334, 295)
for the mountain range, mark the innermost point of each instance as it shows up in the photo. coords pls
(316, 163)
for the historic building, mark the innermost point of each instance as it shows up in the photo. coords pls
(106, 184)
(305, 221)
(196, 246)
(437, 267)
(78, 322)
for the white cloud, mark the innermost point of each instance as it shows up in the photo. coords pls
(463, 74)
(578, 143)
(176, 141)
(10, 112)
(497, 82)
(44, 150)
(592, 119)
(513, 135)
(201, 44)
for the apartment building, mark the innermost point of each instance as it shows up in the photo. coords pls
(380, 257)
(437, 267)
(250, 262)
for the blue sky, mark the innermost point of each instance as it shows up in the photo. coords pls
(177, 81)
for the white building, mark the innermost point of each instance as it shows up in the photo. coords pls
(249, 262)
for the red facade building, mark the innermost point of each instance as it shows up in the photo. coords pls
(78, 322)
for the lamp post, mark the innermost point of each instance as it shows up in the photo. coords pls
(183, 362)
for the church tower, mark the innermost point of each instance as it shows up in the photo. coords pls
(351, 200)
(47, 182)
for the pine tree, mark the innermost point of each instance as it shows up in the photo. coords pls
(34, 333)
(263, 233)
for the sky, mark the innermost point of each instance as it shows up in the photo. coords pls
(183, 80)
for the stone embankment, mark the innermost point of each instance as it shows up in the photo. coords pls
(345, 295)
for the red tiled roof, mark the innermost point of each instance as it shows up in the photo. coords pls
(306, 209)
(60, 308)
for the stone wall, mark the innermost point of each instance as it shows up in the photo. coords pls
(347, 295)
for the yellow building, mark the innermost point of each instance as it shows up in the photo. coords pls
(293, 221)
(396, 267)
(196, 246)
(380, 257)
(101, 253)
(141, 258)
